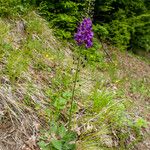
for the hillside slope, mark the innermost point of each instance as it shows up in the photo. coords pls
(111, 109)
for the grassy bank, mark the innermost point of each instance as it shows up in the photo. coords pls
(111, 104)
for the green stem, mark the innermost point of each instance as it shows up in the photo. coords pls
(73, 92)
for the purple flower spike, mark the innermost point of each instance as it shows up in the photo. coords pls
(84, 33)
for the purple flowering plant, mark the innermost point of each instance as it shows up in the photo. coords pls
(84, 36)
(84, 33)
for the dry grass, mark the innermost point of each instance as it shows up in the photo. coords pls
(18, 121)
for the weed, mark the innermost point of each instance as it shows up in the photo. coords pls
(109, 115)
(140, 87)
(101, 99)
(59, 138)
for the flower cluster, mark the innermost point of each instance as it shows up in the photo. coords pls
(84, 33)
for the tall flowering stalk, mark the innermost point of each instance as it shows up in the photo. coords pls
(83, 37)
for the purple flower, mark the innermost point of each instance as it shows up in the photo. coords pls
(84, 33)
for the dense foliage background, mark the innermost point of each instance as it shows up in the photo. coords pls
(126, 23)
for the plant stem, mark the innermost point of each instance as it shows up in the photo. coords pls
(73, 92)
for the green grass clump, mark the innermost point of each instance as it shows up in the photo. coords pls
(140, 87)
(107, 119)
(17, 63)
(101, 100)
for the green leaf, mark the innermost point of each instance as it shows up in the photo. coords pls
(70, 136)
(140, 122)
(60, 103)
(57, 144)
(67, 94)
(68, 146)
(53, 128)
(62, 131)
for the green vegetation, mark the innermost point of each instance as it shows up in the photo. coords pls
(123, 23)
(38, 68)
